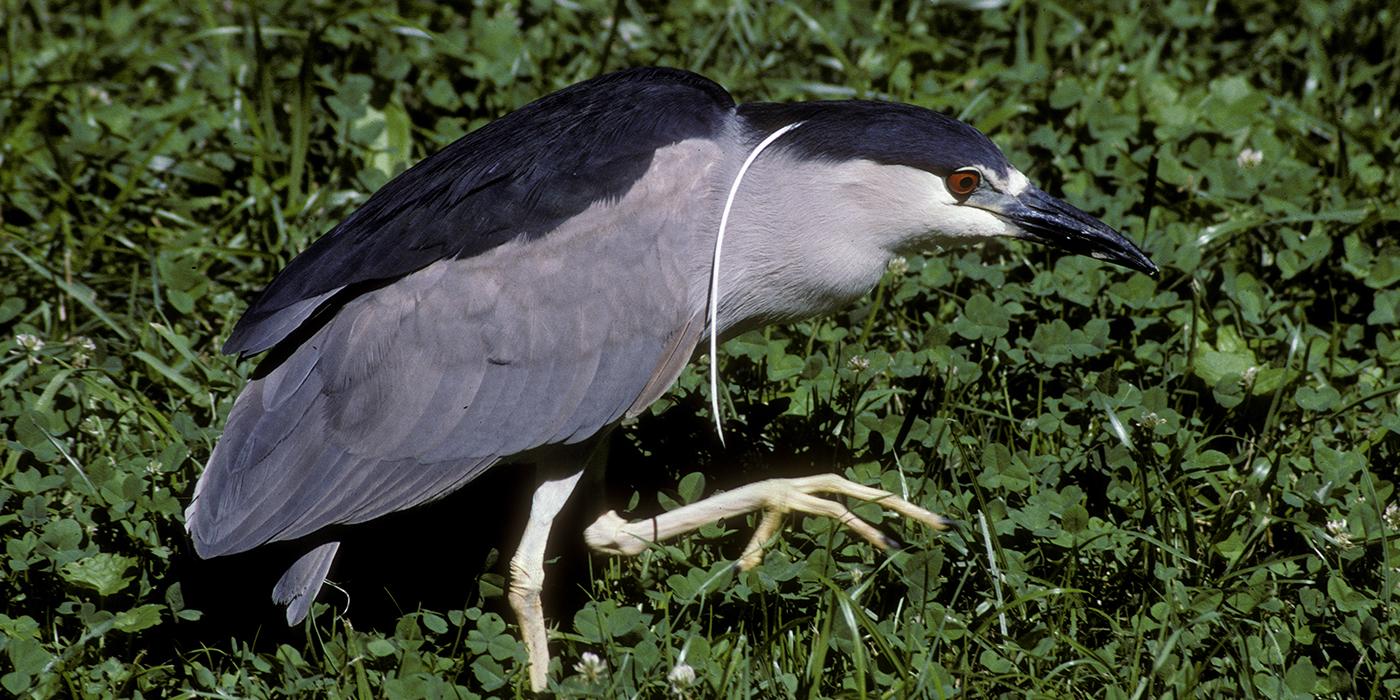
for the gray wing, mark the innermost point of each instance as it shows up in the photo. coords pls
(413, 389)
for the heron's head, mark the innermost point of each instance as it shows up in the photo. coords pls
(960, 185)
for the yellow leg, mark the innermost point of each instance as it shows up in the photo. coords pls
(527, 574)
(775, 497)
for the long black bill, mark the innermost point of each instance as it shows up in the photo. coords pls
(1047, 220)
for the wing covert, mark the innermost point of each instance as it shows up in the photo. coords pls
(411, 391)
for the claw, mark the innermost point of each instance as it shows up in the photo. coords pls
(775, 498)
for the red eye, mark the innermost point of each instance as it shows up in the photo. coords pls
(963, 182)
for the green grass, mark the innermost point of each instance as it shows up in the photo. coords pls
(1171, 487)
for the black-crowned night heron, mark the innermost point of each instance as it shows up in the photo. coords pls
(514, 296)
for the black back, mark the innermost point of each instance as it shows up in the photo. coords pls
(519, 176)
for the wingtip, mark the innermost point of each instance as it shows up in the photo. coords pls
(194, 527)
(233, 346)
(205, 547)
(240, 341)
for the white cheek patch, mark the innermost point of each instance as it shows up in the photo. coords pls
(1016, 183)
(1013, 184)
(912, 206)
(938, 190)
(956, 221)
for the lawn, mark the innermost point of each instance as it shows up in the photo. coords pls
(1165, 487)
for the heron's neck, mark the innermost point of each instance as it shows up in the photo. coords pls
(806, 239)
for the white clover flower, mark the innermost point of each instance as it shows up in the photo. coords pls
(1247, 379)
(1392, 515)
(592, 668)
(1150, 420)
(83, 348)
(1339, 532)
(29, 342)
(898, 265)
(859, 363)
(1249, 159)
(29, 346)
(682, 679)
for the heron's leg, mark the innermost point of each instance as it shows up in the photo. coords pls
(611, 534)
(527, 573)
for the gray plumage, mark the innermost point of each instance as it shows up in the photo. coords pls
(410, 392)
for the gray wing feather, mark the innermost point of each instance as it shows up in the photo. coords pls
(413, 389)
(678, 352)
(302, 581)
